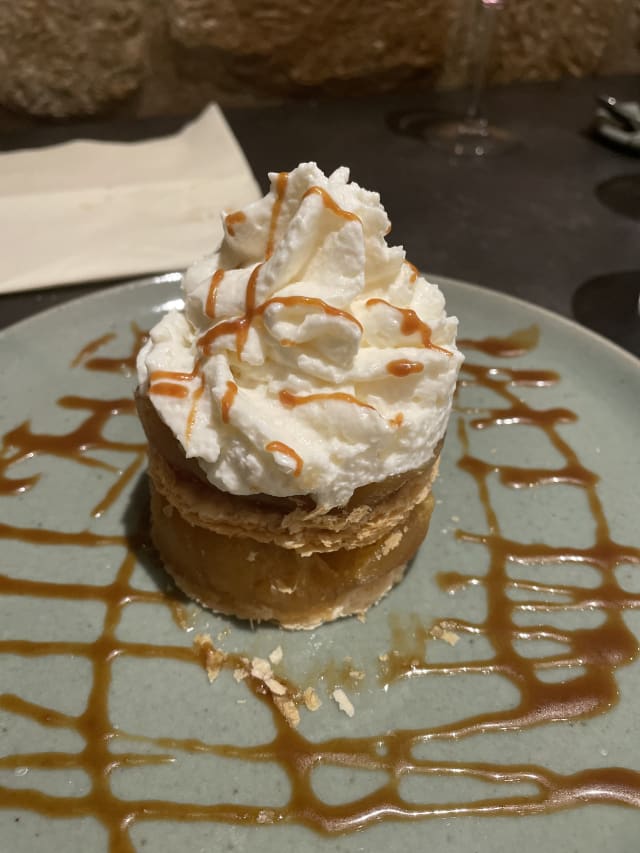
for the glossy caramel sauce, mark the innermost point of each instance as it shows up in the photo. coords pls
(169, 389)
(281, 188)
(331, 204)
(210, 303)
(411, 324)
(280, 447)
(309, 302)
(233, 219)
(290, 400)
(404, 367)
(414, 272)
(193, 411)
(594, 653)
(239, 326)
(227, 400)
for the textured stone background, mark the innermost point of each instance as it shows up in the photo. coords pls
(70, 58)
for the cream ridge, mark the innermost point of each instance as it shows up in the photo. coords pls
(311, 358)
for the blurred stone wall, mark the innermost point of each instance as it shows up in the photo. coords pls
(70, 58)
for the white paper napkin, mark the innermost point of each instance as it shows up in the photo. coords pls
(86, 210)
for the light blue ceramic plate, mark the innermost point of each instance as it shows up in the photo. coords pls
(82, 686)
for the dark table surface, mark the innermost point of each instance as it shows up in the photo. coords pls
(528, 223)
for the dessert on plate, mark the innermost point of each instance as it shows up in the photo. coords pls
(295, 409)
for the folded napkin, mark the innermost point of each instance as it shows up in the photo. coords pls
(86, 210)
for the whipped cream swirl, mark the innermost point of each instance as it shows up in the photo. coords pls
(311, 357)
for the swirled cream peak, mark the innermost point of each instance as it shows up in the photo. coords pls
(311, 357)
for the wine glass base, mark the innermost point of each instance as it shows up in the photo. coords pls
(468, 138)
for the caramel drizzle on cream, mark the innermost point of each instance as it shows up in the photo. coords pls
(414, 272)
(332, 205)
(239, 326)
(233, 219)
(404, 367)
(193, 411)
(311, 302)
(210, 304)
(280, 447)
(411, 324)
(165, 383)
(594, 653)
(227, 400)
(290, 400)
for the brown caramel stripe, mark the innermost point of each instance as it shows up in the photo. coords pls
(595, 653)
(332, 205)
(227, 400)
(210, 304)
(403, 367)
(165, 383)
(193, 411)
(310, 302)
(169, 389)
(281, 188)
(414, 272)
(117, 364)
(279, 447)
(92, 346)
(239, 327)
(290, 400)
(411, 324)
(233, 219)
(516, 344)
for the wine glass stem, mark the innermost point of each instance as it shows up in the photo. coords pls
(483, 30)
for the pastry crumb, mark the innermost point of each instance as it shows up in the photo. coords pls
(275, 686)
(441, 632)
(311, 699)
(344, 703)
(384, 657)
(276, 655)
(240, 674)
(264, 816)
(213, 658)
(361, 617)
(261, 669)
(357, 675)
(288, 709)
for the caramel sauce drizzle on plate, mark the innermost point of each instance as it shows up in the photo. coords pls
(595, 653)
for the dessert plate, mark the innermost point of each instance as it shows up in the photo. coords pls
(488, 703)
